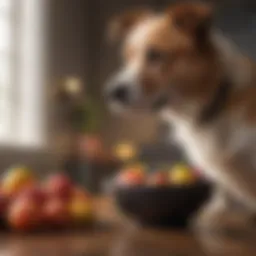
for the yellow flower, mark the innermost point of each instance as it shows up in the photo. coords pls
(125, 151)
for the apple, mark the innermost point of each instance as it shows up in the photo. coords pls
(136, 167)
(130, 178)
(16, 179)
(55, 212)
(24, 214)
(59, 185)
(36, 192)
(159, 178)
(182, 174)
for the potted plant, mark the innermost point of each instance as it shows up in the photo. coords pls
(83, 116)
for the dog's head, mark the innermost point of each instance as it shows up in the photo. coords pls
(167, 57)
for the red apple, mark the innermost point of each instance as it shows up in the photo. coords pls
(35, 192)
(158, 179)
(55, 212)
(59, 185)
(131, 178)
(24, 214)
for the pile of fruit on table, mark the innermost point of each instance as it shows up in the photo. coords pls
(179, 174)
(29, 205)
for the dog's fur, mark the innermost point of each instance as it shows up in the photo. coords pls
(178, 55)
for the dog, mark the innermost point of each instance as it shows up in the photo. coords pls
(178, 65)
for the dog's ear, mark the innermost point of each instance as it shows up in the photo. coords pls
(193, 18)
(120, 25)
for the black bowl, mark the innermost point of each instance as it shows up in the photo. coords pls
(162, 206)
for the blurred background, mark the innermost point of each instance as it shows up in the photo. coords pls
(60, 147)
(54, 62)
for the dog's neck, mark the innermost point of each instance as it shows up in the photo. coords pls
(217, 103)
(236, 74)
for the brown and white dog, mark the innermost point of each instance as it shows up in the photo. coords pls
(205, 88)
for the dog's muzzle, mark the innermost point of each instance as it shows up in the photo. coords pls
(118, 93)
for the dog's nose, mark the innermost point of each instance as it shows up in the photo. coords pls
(119, 93)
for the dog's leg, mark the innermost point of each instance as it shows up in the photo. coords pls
(222, 214)
(238, 177)
(237, 186)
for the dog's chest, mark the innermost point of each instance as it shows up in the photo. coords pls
(198, 145)
(201, 146)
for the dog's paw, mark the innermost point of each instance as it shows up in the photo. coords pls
(221, 221)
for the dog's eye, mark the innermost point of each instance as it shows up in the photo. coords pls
(154, 56)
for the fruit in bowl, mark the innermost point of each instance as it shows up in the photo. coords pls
(182, 174)
(132, 176)
(159, 178)
(162, 198)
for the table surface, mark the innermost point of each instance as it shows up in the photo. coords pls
(117, 237)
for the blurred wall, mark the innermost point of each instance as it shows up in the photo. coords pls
(68, 38)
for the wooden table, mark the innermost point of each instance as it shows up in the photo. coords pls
(119, 238)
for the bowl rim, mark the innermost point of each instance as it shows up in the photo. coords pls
(171, 187)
